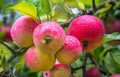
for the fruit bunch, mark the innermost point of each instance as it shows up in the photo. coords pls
(47, 41)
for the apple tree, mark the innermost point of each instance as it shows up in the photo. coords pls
(59, 38)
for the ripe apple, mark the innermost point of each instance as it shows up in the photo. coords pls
(6, 30)
(59, 70)
(89, 30)
(93, 72)
(115, 75)
(22, 31)
(70, 51)
(38, 60)
(49, 37)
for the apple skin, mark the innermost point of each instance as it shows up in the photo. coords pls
(112, 26)
(89, 30)
(59, 70)
(6, 29)
(38, 60)
(55, 37)
(70, 51)
(22, 31)
(93, 72)
(115, 75)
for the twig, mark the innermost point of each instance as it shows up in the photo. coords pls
(94, 8)
(6, 45)
(84, 64)
(16, 54)
(92, 59)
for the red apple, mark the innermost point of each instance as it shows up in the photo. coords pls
(59, 70)
(89, 30)
(38, 60)
(70, 51)
(49, 37)
(22, 31)
(6, 29)
(115, 75)
(93, 72)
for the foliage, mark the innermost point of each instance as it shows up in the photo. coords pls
(106, 56)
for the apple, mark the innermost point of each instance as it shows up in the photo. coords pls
(70, 51)
(59, 70)
(49, 37)
(89, 30)
(22, 31)
(6, 30)
(93, 72)
(38, 60)
(115, 75)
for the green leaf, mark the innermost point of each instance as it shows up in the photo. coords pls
(20, 65)
(81, 5)
(5, 51)
(111, 37)
(57, 1)
(3, 63)
(46, 7)
(26, 8)
(59, 12)
(116, 55)
(2, 34)
(71, 3)
(112, 66)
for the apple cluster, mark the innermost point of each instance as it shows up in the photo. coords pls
(47, 41)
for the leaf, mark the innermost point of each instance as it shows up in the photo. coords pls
(81, 5)
(111, 65)
(116, 55)
(46, 7)
(59, 12)
(111, 37)
(57, 1)
(26, 8)
(5, 51)
(3, 63)
(20, 65)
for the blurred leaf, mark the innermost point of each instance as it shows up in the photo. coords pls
(26, 8)
(81, 5)
(116, 55)
(112, 66)
(111, 37)
(5, 51)
(2, 34)
(71, 3)
(46, 7)
(58, 1)
(97, 53)
(20, 65)
(8, 5)
(3, 63)
(59, 12)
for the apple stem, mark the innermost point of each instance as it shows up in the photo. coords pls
(48, 39)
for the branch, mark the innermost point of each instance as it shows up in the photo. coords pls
(16, 54)
(94, 5)
(6, 45)
(92, 59)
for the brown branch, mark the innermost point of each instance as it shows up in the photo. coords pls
(6, 45)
